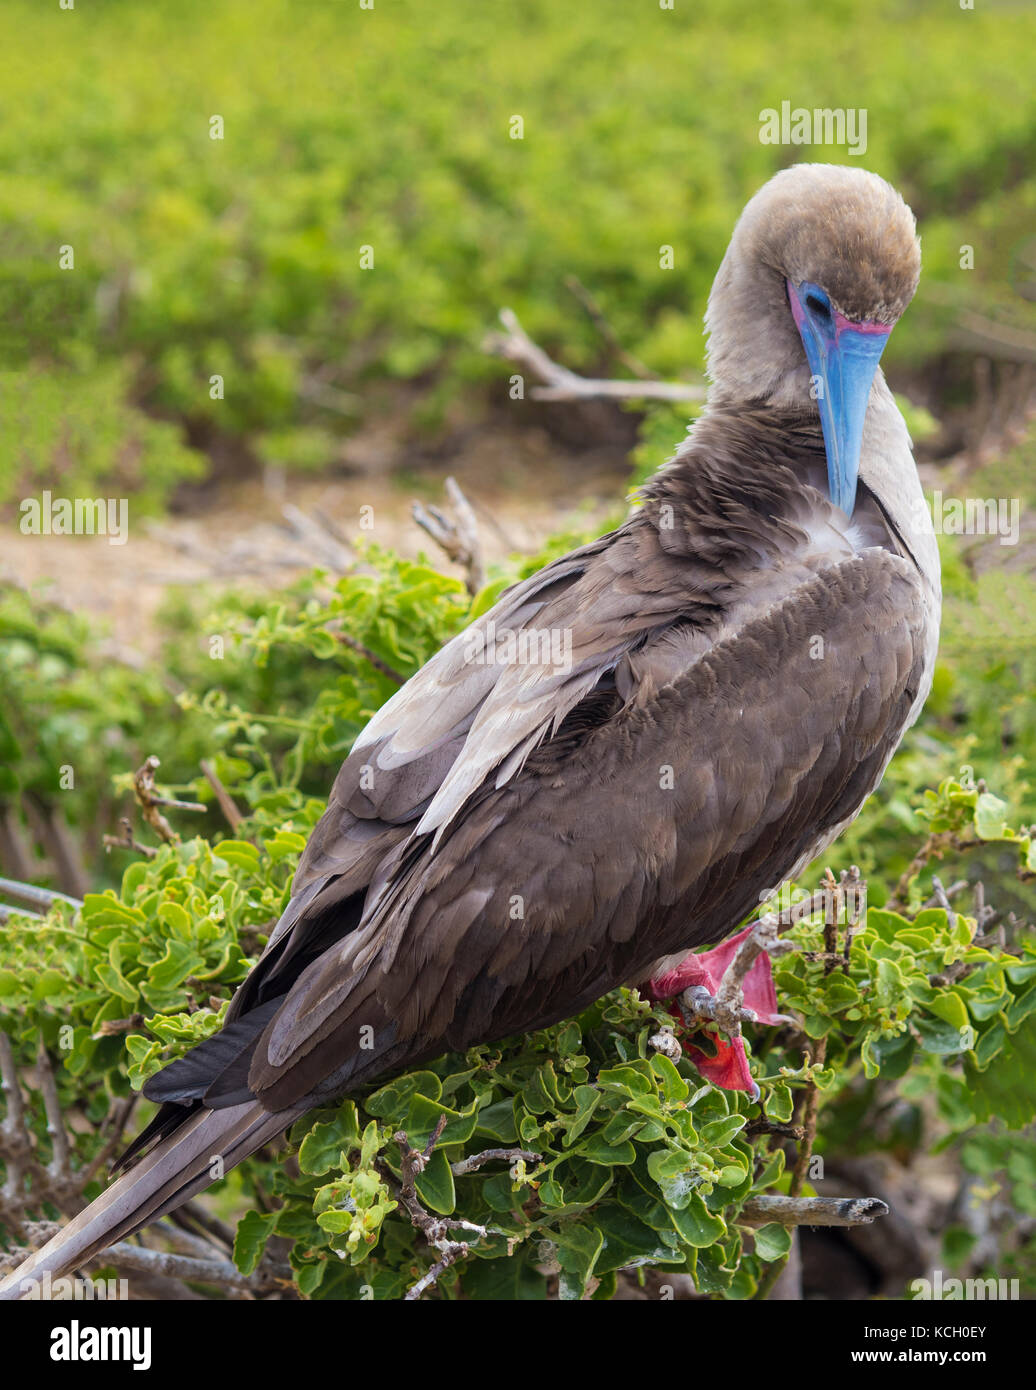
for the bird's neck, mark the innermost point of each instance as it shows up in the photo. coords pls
(758, 461)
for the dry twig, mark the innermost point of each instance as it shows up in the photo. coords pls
(812, 1211)
(42, 898)
(127, 841)
(226, 801)
(564, 385)
(435, 1229)
(458, 538)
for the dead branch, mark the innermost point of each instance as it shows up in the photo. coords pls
(6, 913)
(16, 1144)
(193, 1217)
(28, 893)
(111, 1027)
(812, 1211)
(564, 385)
(475, 1161)
(51, 831)
(14, 853)
(434, 1228)
(113, 1131)
(762, 1125)
(59, 1169)
(195, 1270)
(458, 538)
(368, 655)
(934, 847)
(325, 546)
(226, 801)
(149, 801)
(127, 841)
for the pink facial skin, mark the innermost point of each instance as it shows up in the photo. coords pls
(842, 324)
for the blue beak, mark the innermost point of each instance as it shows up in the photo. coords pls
(843, 358)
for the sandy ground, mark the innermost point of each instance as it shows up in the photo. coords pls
(238, 534)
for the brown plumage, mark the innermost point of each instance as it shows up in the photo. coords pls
(507, 843)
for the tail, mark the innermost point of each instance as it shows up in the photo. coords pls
(173, 1172)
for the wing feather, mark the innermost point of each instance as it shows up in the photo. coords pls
(656, 831)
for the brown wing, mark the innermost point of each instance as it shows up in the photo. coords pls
(459, 721)
(702, 783)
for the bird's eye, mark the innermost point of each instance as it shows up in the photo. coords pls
(818, 306)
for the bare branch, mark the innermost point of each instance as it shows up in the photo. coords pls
(322, 545)
(51, 831)
(459, 538)
(28, 893)
(115, 1128)
(14, 853)
(126, 840)
(148, 800)
(434, 1228)
(6, 913)
(195, 1270)
(15, 1140)
(599, 320)
(59, 1169)
(111, 1027)
(812, 1211)
(368, 655)
(475, 1161)
(226, 801)
(564, 385)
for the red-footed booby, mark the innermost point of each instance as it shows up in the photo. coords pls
(508, 841)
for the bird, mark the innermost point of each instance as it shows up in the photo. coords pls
(728, 675)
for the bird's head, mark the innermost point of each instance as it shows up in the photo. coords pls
(822, 263)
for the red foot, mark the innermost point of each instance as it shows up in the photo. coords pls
(728, 1069)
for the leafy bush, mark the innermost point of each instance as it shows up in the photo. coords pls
(639, 1163)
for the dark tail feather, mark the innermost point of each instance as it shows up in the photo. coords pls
(174, 1171)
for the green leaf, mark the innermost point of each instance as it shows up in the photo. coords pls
(240, 853)
(779, 1102)
(253, 1231)
(718, 1133)
(597, 1150)
(627, 1081)
(990, 816)
(674, 1086)
(435, 1185)
(949, 1005)
(579, 1245)
(326, 1142)
(772, 1242)
(174, 916)
(497, 1122)
(391, 1103)
(696, 1225)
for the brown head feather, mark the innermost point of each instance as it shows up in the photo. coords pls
(844, 229)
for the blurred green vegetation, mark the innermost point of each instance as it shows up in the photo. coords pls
(240, 258)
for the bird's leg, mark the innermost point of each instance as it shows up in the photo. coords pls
(725, 987)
